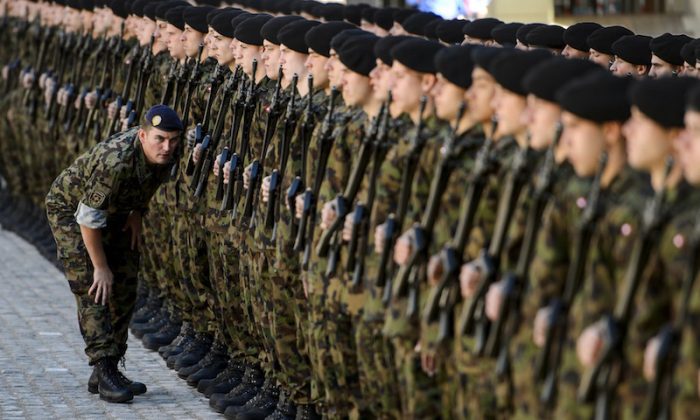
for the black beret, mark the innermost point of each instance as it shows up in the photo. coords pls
(119, 9)
(367, 14)
(417, 54)
(222, 23)
(523, 31)
(509, 69)
(694, 99)
(415, 24)
(450, 31)
(164, 7)
(576, 35)
(546, 78)
(484, 56)
(150, 10)
(175, 18)
(357, 54)
(549, 36)
(270, 30)
(400, 15)
(688, 52)
(602, 39)
(164, 118)
(633, 49)
(248, 31)
(308, 6)
(663, 99)
(212, 14)
(341, 37)
(319, 38)
(74, 4)
(240, 18)
(480, 28)
(504, 34)
(430, 29)
(88, 5)
(353, 13)
(283, 7)
(384, 18)
(668, 47)
(455, 64)
(382, 49)
(136, 7)
(292, 36)
(598, 96)
(196, 17)
(333, 12)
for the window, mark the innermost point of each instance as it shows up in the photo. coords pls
(609, 7)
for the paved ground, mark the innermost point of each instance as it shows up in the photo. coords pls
(43, 370)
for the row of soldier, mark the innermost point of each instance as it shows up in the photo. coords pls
(362, 206)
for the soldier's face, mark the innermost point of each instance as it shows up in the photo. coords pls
(271, 59)
(510, 111)
(480, 95)
(603, 60)
(315, 65)
(292, 63)
(245, 54)
(660, 68)
(219, 49)
(333, 67)
(173, 42)
(160, 41)
(191, 39)
(447, 98)
(688, 148)
(148, 27)
(584, 143)
(569, 52)
(648, 144)
(689, 71)
(406, 95)
(378, 78)
(542, 118)
(624, 68)
(159, 146)
(356, 88)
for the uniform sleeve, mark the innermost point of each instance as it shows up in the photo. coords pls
(101, 185)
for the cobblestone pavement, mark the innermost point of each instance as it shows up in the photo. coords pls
(43, 369)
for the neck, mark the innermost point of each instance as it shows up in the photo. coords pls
(415, 115)
(488, 129)
(616, 163)
(372, 107)
(559, 154)
(659, 179)
(522, 139)
(303, 88)
(464, 124)
(259, 75)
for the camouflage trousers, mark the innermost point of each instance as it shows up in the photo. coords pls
(259, 289)
(196, 283)
(476, 392)
(418, 392)
(104, 327)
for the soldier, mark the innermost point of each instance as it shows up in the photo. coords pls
(632, 56)
(575, 37)
(91, 204)
(689, 58)
(666, 59)
(601, 42)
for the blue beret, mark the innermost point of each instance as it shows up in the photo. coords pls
(164, 118)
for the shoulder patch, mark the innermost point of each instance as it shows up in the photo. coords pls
(96, 199)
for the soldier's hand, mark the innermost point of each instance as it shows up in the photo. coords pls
(403, 249)
(347, 228)
(122, 112)
(265, 189)
(494, 300)
(435, 270)
(469, 280)
(379, 238)
(190, 138)
(91, 100)
(102, 280)
(650, 354)
(112, 110)
(589, 345)
(328, 214)
(215, 169)
(246, 176)
(227, 169)
(42, 80)
(48, 94)
(133, 223)
(427, 362)
(5, 72)
(197, 153)
(62, 96)
(27, 79)
(299, 206)
(125, 124)
(541, 325)
(76, 102)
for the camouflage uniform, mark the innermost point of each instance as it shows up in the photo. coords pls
(114, 179)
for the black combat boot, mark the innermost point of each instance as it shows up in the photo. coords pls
(153, 325)
(225, 381)
(285, 410)
(162, 337)
(178, 344)
(147, 310)
(110, 387)
(259, 407)
(212, 364)
(196, 352)
(137, 388)
(252, 382)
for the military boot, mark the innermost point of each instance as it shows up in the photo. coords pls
(212, 364)
(225, 381)
(178, 344)
(148, 310)
(259, 407)
(157, 322)
(285, 410)
(162, 337)
(194, 353)
(137, 388)
(109, 384)
(250, 385)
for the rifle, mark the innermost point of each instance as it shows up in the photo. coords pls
(276, 178)
(62, 51)
(443, 297)
(234, 167)
(407, 281)
(31, 98)
(114, 125)
(170, 84)
(208, 150)
(142, 86)
(661, 391)
(297, 185)
(72, 85)
(395, 221)
(515, 282)
(214, 82)
(192, 84)
(91, 121)
(107, 93)
(253, 193)
(358, 246)
(488, 262)
(180, 82)
(601, 380)
(547, 365)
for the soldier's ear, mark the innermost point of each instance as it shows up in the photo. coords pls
(142, 135)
